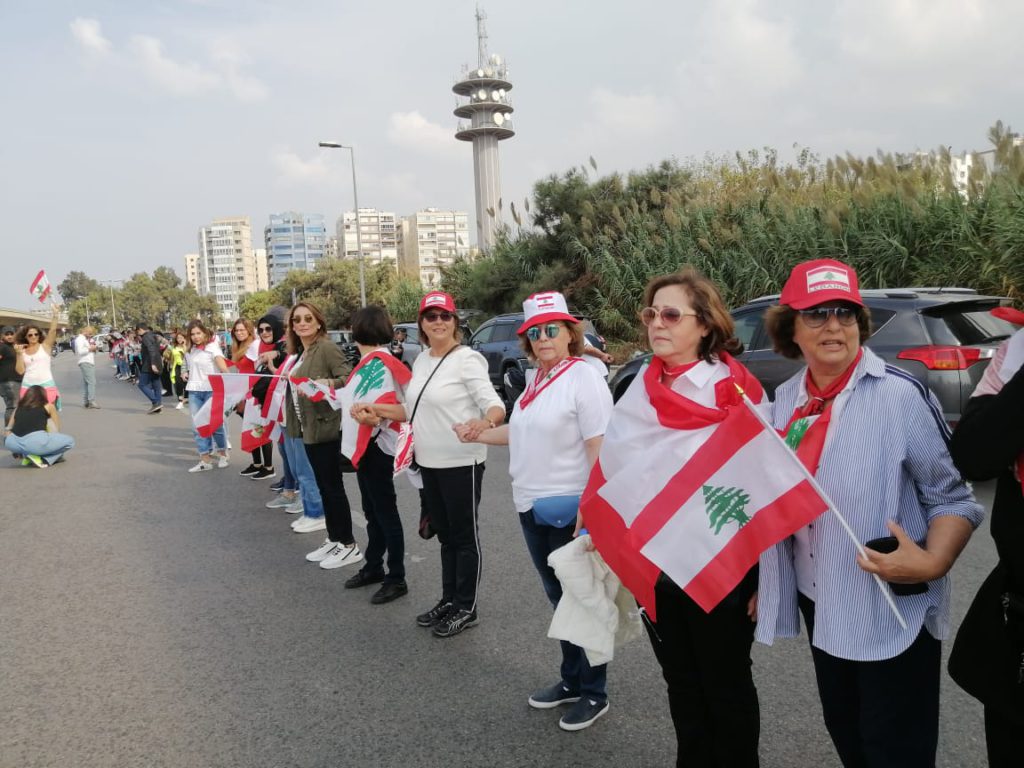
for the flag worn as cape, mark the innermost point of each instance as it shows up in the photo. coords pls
(229, 389)
(40, 287)
(693, 491)
(377, 379)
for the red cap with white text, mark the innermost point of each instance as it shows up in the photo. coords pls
(437, 300)
(816, 282)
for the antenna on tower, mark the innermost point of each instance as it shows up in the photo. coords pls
(481, 37)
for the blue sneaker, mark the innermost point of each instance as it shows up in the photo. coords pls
(553, 696)
(583, 714)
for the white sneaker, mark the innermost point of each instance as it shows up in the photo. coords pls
(280, 502)
(179, 406)
(320, 552)
(222, 461)
(295, 507)
(341, 555)
(202, 466)
(309, 524)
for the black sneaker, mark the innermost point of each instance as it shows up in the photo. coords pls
(390, 591)
(252, 469)
(363, 579)
(278, 486)
(262, 473)
(583, 714)
(435, 614)
(554, 696)
(457, 620)
(155, 409)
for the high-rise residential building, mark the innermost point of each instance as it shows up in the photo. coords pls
(226, 268)
(293, 241)
(377, 235)
(192, 270)
(430, 239)
(262, 271)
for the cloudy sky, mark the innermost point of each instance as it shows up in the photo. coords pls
(129, 125)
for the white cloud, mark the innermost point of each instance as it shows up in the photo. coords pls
(631, 114)
(412, 130)
(294, 169)
(184, 79)
(89, 35)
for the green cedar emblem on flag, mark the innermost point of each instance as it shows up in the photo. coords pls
(725, 505)
(371, 377)
(796, 432)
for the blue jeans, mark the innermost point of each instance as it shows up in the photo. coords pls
(288, 481)
(151, 387)
(203, 444)
(309, 492)
(88, 382)
(577, 674)
(122, 366)
(48, 445)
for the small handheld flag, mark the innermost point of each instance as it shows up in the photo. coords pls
(40, 287)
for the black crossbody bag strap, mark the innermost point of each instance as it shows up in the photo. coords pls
(420, 396)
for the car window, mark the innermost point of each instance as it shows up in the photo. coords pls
(503, 332)
(966, 325)
(412, 333)
(483, 335)
(749, 327)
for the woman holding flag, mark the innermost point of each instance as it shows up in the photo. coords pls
(203, 358)
(369, 442)
(33, 361)
(642, 512)
(554, 437)
(245, 356)
(875, 440)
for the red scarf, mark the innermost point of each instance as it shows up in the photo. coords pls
(808, 439)
(677, 411)
(540, 383)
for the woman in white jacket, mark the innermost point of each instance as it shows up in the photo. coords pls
(554, 437)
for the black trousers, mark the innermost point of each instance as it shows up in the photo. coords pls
(380, 505)
(325, 458)
(880, 714)
(452, 496)
(705, 659)
(1002, 737)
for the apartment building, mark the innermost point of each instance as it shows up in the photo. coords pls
(192, 270)
(226, 267)
(377, 234)
(430, 239)
(293, 240)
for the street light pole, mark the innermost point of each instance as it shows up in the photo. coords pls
(113, 309)
(355, 201)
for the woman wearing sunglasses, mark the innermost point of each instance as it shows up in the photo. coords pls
(33, 361)
(245, 347)
(449, 386)
(675, 405)
(554, 437)
(876, 441)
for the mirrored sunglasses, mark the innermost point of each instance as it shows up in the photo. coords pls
(551, 330)
(816, 317)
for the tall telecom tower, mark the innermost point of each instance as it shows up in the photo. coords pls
(487, 107)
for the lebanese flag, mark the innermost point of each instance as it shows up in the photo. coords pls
(316, 392)
(376, 379)
(40, 287)
(229, 389)
(693, 491)
(256, 430)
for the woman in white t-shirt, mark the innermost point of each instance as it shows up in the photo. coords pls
(554, 437)
(204, 357)
(451, 386)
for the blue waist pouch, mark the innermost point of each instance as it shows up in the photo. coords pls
(556, 511)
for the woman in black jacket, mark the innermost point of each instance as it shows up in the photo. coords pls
(987, 659)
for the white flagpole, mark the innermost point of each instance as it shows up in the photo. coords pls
(842, 520)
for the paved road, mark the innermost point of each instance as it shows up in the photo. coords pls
(156, 618)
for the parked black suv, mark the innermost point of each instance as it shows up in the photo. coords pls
(944, 337)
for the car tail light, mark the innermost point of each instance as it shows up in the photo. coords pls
(945, 358)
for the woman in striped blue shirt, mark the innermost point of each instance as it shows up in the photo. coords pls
(876, 441)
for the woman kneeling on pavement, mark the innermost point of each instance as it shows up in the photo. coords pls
(27, 436)
(369, 442)
(876, 441)
(449, 386)
(554, 436)
(319, 427)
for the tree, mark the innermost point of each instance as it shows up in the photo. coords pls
(255, 305)
(77, 285)
(403, 300)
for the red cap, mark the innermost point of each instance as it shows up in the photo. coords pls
(437, 300)
(816, 282)
(545, 308)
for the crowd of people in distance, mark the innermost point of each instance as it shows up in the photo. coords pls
(866, 435)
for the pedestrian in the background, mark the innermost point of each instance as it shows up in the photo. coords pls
(34, 360)
(177, 353)
(150, 365)
(27, 434)
(10, 379)
(85, 350)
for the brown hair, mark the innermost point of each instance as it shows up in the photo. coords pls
(425, 338)
(294, 342)
(34, 397)
(707, 302)
(22, 337)
(188, 333)
(575, 339)
(780, 322)
(238, 348)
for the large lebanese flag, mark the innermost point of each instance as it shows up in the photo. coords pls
(229, 389)
(695, 492)
(376, 379)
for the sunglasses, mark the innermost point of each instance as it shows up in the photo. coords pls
(265, 329)
(551, 330)
(433, 317)
(668, 315)
(302, 319)
(818, 316)
(31, 335)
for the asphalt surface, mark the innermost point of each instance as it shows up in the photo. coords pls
(155, 618)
